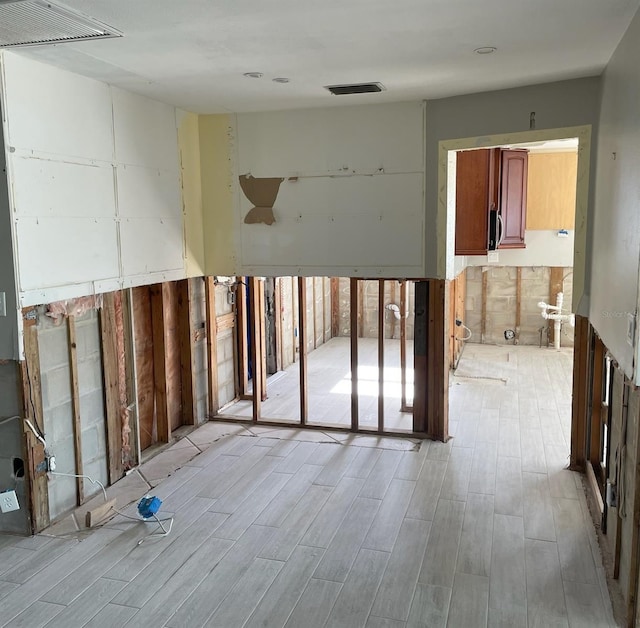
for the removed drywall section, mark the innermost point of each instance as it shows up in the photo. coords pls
(94, 177)
(12, 463)
(218, 173)
(353, 178)
(225, 322)
(616, 244)
(198, 313)
(501, 301)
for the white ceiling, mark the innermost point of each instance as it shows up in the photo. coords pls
(193, 53)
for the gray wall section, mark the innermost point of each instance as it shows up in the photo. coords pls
(9, 323)
(11, 448)
(614, 285)
(557, 105)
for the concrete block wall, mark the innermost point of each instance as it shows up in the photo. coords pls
(198, 311)
(370, 310)
(11, 454)
(53, 341)
(226, 340)
(501, 303)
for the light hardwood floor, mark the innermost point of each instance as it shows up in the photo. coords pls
(301, 529)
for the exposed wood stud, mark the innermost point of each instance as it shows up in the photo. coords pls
(314, 294)
(518, 302)
(579, 410)
(381, 317)
(108, 337)
(242, 326)
(324, 310)
(302, 314)
(556, 282)
(632, 596)
(403, 346)
(186, 334)
(392, 299)
(255, 349)
(212, 345)
(32, 409)
(360, 309)
(277, 306)
(158, 300)
(294, 316)
(354, 315)
(483, 320)
(75, 406)
(261, 313)
(335, 307)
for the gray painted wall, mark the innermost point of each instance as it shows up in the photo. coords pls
(8, 324)
(557, 105)
(614, 284)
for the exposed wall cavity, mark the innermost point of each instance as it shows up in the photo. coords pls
(226, 353)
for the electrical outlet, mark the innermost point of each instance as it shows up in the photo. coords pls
(9, 501)
(493, 257)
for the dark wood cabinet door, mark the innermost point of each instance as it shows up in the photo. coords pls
(513, 198)
(474, 194)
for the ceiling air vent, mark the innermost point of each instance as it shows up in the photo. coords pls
(358, 88)
(35, 22)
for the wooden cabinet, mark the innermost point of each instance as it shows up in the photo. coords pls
(513, 198)
(491, 187)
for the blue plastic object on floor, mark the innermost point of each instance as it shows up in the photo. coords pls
(149, 506)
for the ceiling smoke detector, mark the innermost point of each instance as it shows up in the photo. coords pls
(485, 50)
(36, 22)
(357, 88)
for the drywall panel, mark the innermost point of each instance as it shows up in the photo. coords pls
(350, 199)
(339, 224)
(189, 146)
(53, 111)
(145, 131)
(55, 251)
(616, 246)
(146, 193)
(219, 193)
(63, 188)
(332, 140)
(151, 245)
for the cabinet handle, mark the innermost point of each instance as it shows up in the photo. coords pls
(501, 226)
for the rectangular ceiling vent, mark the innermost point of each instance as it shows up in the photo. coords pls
(36, 22)
(358, 88)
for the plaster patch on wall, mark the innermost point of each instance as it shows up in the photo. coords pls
(262, 192)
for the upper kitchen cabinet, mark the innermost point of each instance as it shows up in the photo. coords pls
(513, 198)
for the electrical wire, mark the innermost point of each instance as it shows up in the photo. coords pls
(165, 531)
(37, 435)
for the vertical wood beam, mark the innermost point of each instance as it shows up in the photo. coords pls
(483, 320)
(361, 309)
(256, 345)
(75, 406)
(212, 345)
(392, 299)
(294, 319)
(159, 296)
(632, 595)
(302, 314)
(556, 283)
(324, 310)
(353, 314)
(403, 346)
(314, 295)
(579, 409)
(186, 334)
(32, 410)
(335, 307)
(518, 302)
(263, 339)
(381, 311)
(108, 341)
(595, 427)
(242, 324)
(277, 307)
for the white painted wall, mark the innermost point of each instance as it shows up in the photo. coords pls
(357, 206)
(616, 245)
(94, 184)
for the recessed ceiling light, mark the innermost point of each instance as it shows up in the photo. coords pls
(281, 79)
(485, 50)
(253, 74)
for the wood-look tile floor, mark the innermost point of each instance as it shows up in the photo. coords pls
(334, 530)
